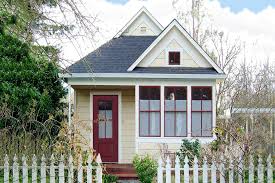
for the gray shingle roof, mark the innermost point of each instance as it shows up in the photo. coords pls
(117, 55)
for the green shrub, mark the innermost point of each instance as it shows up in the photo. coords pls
(109, 178)
(146, 168)
(190, 149)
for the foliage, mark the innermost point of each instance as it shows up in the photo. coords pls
(109, 178)
(29, 85)
(146, 168)
(190, 149)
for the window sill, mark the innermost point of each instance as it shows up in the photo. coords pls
(171, 140)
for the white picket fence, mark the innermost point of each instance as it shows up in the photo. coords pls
(214, 172)
(67, 171)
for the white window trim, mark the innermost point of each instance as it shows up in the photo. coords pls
(117, 93)
(167, 50)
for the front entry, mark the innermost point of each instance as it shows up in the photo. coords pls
(105, 127)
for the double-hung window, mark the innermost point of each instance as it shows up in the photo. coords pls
(201, 111)
(175, 124)
(149, 111)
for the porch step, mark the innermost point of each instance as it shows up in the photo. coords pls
(122, 171)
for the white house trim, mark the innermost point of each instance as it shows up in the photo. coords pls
(142, 10)
(142, 75)
(117, 93)
(176, 24)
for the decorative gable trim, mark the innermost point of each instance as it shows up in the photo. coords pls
(142, 10)
(176, 24)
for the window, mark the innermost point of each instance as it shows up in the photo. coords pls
(149, 115)
(201, 111)
(175, 112)
(174, 58)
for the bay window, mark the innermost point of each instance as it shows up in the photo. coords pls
(201, 111)
(175, 107)
(149, 111)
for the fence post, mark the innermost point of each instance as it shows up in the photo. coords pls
(34, 169)
(52, 170)
(70, 170)
(186, 170)
(168, 170)
(260, 170)
(251, 170)
(177, 170)
(222, 172)
(269, 170)
(80, 170)
(15, 172)
(98, 169)
(6, 170)
(61, 170)
(231, 171)
(196, 170)
(213, 172)
(240, 170)
(205, 170)
(43, 169)
(89, 169)
(24, 169)
(160, 171)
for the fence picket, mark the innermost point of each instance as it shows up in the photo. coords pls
(269, 170)
(168, 170)
(205, 171)
(98, 169)
(160, 169)
(70, 170)
(221, 169)
(61, 178)
(240, 170)
(24, 169)
(251, 170)
(6, 169)
(80, 170)
(260, 170)
(43, 169)
(213, 172)
(186, 170)
(89, 169)
(52, 170)
(177, 170)
(231, 171)
(196, 170)
(15, 171)
(34, 169)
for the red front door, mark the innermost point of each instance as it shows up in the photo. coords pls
(105, 127)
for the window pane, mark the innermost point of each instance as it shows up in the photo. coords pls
(155, 93)
(181, 105)
(206, 124)
(181, 93)
(201, 93)
(101, 115)
(144, 105)
(181, 124)
(206, 105)
(155, 105)
(109, 129)
(174, 58)
(109, 115)
(155, 123)
(149, 93)
(144, 124)
(169, 105)
(169, 93)
(196, 124)
(101, 129)
(105, 105)
(169, 123)
(196, 105)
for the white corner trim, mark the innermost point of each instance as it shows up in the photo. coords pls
(176, 24)
(142, 10)
(118, 93)
(136, 117)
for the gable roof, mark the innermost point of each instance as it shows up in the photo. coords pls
(115, 56)
(142, 10)
(176, 24)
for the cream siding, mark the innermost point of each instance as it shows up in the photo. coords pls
(127, 126)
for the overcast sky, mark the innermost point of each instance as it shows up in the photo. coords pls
(252, 21)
